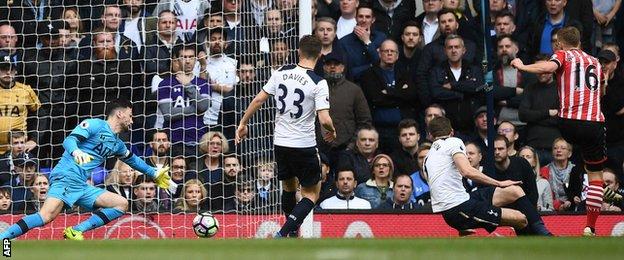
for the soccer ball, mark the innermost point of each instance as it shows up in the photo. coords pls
(205, 225)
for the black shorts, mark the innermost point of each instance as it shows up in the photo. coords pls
(303, 163)
(589, 136)
(476, 212)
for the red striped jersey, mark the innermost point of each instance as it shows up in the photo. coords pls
(579, 82)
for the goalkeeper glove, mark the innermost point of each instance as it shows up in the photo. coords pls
(81, 157)
(162, 178)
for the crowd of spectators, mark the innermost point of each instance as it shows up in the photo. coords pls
(191, 67)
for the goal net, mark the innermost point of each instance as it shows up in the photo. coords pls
(190, 69)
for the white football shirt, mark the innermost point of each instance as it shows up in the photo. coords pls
(445, 181)
(298, 94)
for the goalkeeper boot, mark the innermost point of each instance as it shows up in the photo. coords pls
(589, 232)
(71, 234)
(611, 196)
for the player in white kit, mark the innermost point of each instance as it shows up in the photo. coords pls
(444, 167)
(299, 95)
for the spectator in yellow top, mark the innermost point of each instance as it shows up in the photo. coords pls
(16, 101)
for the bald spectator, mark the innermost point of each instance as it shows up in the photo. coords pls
(347, 105)
(455, 84)
(391, 15)
(345, 197)
(401, 200)
(391, 94)
(346, 21)
(361, 45)
(359, 157)
(25, 15)
(8, 44)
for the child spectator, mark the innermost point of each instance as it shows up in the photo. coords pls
(266, 186)
(5, 200)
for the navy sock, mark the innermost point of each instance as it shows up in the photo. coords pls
(294, 220)
(22, 226)
(99, 218)
(536, 225)
(288, 202)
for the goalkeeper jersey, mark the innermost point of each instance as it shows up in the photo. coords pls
(96, 138)
(15, 104)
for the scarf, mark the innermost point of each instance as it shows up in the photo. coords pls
(559, 180)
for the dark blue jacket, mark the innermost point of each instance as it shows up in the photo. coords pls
(360, 56)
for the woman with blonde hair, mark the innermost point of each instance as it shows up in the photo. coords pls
(119, 180)
(212, 146)
(192, 197)
(379, 187)
(544, 193)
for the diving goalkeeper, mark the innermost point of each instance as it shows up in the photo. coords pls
(86, 148)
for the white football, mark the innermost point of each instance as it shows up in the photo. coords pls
(205, 225)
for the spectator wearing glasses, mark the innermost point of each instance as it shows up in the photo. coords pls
(509, 131)
(391, 94)
(180, 173)
(379, 187)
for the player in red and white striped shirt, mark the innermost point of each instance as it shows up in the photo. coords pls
(579, 80)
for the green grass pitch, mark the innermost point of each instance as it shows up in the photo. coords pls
(378, 249)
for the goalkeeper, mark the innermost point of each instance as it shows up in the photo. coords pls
(86, 148)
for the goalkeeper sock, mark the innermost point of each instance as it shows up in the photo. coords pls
(27, 223)
(524, 205)
(99, 218)
(593, 203)
(294, 220)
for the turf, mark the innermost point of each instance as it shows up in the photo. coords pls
(429, 249)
